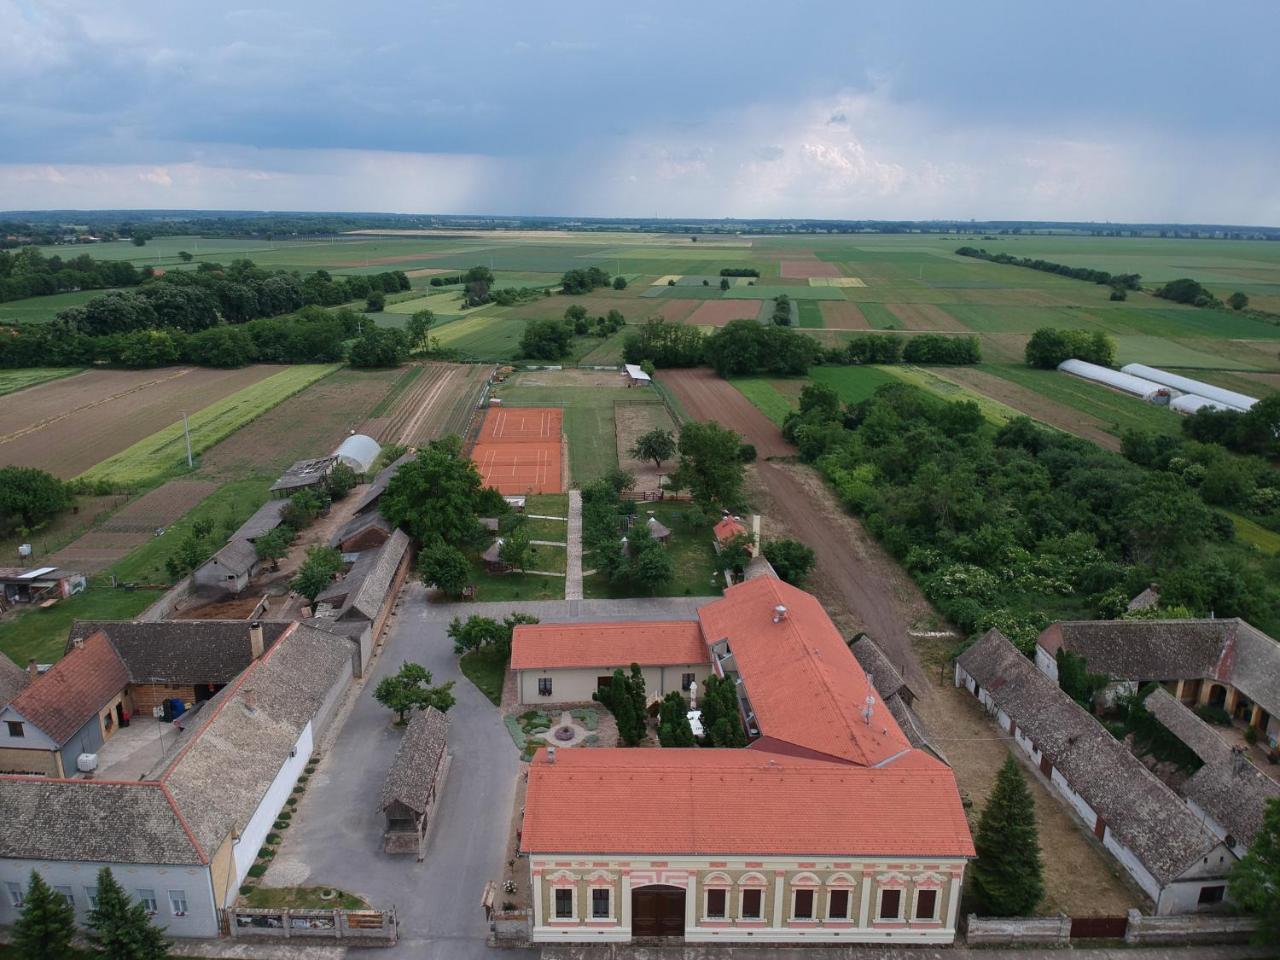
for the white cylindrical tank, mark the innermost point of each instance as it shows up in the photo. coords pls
(1148, 390)
(1230, 398)
(1189, 403)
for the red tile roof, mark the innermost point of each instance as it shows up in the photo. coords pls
(804, 684)
(74, 689)
(648, 643)
(728, 528)
(701, 802)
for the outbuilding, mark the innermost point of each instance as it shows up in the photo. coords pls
(414, 783)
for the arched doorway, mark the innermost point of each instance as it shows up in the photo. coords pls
(657, 911)
(1217, 695)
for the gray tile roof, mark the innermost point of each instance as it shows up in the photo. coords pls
(369, 594)
(237, 556)
(358, 524)
(1142, 813)
(180, 651)
(265, 519)
(1148, 598)
(1187, 727)
(380, 481)
(304, 473)
(12, 679)
(417, 760)
(877, 665)
(910, 723)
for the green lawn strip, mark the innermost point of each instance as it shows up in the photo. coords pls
(45, 309)
(163, 453)
(852, 384)
(1268, 541)
(797, 292)
(546, 559)
(1234, 381)
(764, 396)
(810, 313)
(992, 410)
(514, 586)
(547, 504)
(403, 382)
(42, 634)
(302, 898)
(11, 380)
(691, 554)
(557, 530)
(486, 671)
(879, 317)
(1117, 411)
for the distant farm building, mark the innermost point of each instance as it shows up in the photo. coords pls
(37, 584)
(303, 475)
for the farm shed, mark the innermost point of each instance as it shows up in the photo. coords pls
(1229, 398)
(414, 782)
(37, 584)
(1141, 822)
(1148, 390)
(359, 452)
(364, 531)
(303, 475)
(492, 558)
(369, 499)
(636, 376)
(893, 689)
(367, 593)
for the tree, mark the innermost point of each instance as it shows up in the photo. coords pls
(619, 283)
(1255, 879)
(624, 697)
(185, 257)
(735, 553)
(120, 929)
(271, 547)
(139, 240)
(376, 302)
(30, 497)
(317, 571)
(46, 926)
(380, 347)
(341, 481)
(651, 566)
(673, 721)
(419, 329)
(724, 283)
(1075, 679)
(710, 466)
(444, 566)
(485, 633)
(440, 494)
(411, 689)
(1238, 300)
(657, 445)
(1007, 875)
(546, 339)
(721, 721)
(791, 560)
(515, 546)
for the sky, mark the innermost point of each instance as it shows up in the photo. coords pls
(1124, 110)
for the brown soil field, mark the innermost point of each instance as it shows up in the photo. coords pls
(133, 526)
(798, 269)
(704, 396)
(66, 426)
(842, 315)
(441, 401)
(717, 313)
(631, 421)
(309, 424)
(924, 316)
(426, 272)
(679, 310)
(1034, 405)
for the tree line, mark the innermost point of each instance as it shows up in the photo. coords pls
(549, 338)
(739, 272)
(1117, 281)
(29, 273)
(1048, 347)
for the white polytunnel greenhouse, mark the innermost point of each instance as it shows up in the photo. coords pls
(1228, 398)
(1148, 390)
(1189, 403)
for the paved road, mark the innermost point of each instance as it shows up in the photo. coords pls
(336, 840)
(573, 563)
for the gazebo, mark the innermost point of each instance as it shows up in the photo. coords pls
(658, 530)
(493, 561)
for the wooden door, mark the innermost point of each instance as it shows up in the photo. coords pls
(1045, 766)
(657, 912)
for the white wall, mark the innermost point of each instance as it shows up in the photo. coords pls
(1046, 663)
(577, 685)
(201, 919)
(255, 832)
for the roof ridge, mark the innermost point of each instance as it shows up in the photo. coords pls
(186, 827)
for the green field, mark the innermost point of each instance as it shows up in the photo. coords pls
(1117, 411)
(44, 309)
(691, 554)
(163, 453)
(11, 380)
(766, 398)
(852, 384)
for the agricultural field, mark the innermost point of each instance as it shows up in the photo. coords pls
(428, 401)
(11, 380)
(44, 309)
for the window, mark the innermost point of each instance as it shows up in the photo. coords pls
(67, 895)
(92, 894)
(802, 905)
(717, 901)
(926, 904)
(148, 900)
(890, 905)
(544, 686)
(108, 721)
(604, 683)
(564, 903)
(600, 903)
(686, 681)
(752, 904)
(15, 728)
(1212, 894)
(838, 905)
(15, 893)
(178, 902)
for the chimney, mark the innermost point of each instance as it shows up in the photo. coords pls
(33, 669)
(779, 613)
(78, 642)
(1239, 762)
(551, 754)
(255, 639)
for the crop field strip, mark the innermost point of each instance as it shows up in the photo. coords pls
(14, 380)
(441, 402)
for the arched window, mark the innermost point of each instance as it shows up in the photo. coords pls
(751, 889)
(839, 896)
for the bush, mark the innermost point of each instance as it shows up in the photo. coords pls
(284, 815)
(747, 453)
(266, 853)
(273, 838)
(257, 870)
(246, 889)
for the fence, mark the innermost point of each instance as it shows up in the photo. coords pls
(1134, 928)
(1052, 931)
(371, 927)
(1189, 928)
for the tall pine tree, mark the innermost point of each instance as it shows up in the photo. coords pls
(673, 721)
(1255, 880)
(120, 929)
(47, 924)
(1008, 877)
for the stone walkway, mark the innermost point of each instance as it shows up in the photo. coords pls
(573, 580)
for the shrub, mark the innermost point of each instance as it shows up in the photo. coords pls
(257, 870)
(273, 838)
(284, 815)
(266, 853)
(246, 889)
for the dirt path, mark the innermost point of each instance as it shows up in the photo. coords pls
(1032, 404)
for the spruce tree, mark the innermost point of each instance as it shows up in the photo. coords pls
(1007, 876)
(120, 929)
(673, 721)
(1255, 880)
(47, 924)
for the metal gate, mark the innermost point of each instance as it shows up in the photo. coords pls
(1098, 928)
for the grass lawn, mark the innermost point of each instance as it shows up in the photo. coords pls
(1268, 541)
(11, 380)
(302, 898)
(557, 530)
(486, 671)
(691, 554)
(765, 396)
(810, 313)
(879, 317)
(514, 586)
(993, 410)
(851, 384)
(547, 504)
(1118, 411)
(482, 337)
(45, 309)
(43, 633)
(163, 453)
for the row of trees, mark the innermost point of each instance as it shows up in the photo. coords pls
(739, 272)
(781, 310)
(118, 928)
(29, 273)
(1117, 281)
(1049, 346)
(625, 698)
(551, 339)
(584, 280)
(1255, 431)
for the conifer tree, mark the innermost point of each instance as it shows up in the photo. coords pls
(120, 929)
(47, 924)
(1007, 876)
(1255, 880)
(673, 721)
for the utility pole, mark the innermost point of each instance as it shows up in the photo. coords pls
(186, 430)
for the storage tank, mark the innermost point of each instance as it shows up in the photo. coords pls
(1237, 401)
(1189, 403)
(1148, 390)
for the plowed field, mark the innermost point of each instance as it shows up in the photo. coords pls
(802, 269)
(924, 316)
(842, 315)
(717, 313)
(439, 402)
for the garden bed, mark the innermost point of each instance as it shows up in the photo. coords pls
(527, 728)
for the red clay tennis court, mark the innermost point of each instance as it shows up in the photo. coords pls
(519, 450)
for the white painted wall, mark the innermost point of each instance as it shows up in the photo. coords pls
(1046, 663)
(577, 685)
(255, 832)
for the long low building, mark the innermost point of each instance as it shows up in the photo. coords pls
(1152, 833)
(829, 827)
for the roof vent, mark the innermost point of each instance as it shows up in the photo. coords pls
(779, 613)
(551, 754)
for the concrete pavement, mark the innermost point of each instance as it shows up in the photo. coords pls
(573, 552)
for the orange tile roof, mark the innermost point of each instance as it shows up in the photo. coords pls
(74, 689)
(701, 802)
(804, 684)
(728, 528)
(617, 644)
